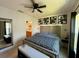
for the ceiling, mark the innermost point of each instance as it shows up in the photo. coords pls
(52, 6)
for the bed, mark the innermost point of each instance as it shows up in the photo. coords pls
(46, 43)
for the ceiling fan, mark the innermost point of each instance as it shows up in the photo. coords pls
(35, 6)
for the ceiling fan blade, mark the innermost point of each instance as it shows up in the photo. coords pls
(39, 11)
(28, 7)
(33, 2)
(33, 10)
(42, 6)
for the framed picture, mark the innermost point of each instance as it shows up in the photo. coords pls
(40, 21)
(53, 19)
(62, 19)
(46, 20)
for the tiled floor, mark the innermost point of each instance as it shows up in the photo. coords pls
(10, 52)
(3, 44)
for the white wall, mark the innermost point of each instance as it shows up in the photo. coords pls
(66, 27)
(19, 22)
(63, 27)
(35, 27)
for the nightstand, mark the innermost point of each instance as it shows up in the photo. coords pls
(65, 43)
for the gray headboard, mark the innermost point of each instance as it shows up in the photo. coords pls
(52, 29)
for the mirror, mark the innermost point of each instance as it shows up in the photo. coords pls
(5, 32)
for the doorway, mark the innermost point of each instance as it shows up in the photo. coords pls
(5, 32)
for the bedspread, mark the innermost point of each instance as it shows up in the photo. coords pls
(47, 41)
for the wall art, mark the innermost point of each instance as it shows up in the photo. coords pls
(62, 19)
(53, 20)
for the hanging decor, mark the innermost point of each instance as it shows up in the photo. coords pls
(61, 19)
(28, 28)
